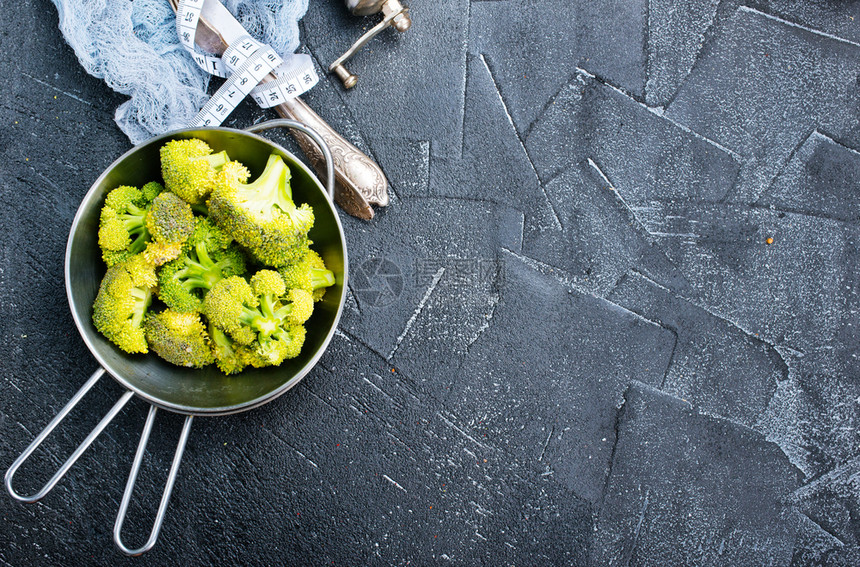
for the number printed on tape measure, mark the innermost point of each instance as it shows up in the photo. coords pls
(295, 77)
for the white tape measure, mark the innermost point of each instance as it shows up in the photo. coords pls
(245, 63)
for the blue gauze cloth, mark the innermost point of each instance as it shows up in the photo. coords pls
(134, 47)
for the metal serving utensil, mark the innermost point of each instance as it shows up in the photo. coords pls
(359, 181)
(394, 14)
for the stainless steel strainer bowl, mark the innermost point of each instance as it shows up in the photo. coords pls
(194, 392)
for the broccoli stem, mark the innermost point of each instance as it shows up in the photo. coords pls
(220, 339)
(284, 312)
(271, 189)
(216, 160)
(263, 320)
(321, 278)
(135, 223)
(202, 274)
(142, 300)
(282, 335)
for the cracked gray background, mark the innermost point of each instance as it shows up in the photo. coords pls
(620, 327)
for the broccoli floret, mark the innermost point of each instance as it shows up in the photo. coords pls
(284, 348)
(170, 219)
(151, 190)
(272, 292)
(309, 274)
(124, 297)
(169, 222)
(122, 224)
(179, 338)
(189, 168)
(230, 356)
(262, 216)
(209, 255)
(262, 315)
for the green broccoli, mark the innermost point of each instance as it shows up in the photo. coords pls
(170, 219)
(309, 274)
(274, 352)
(189, 168)
(122, 224)
(230, 356)
(179, 338)
(124, 297)
(262, 315)
(209, 255)
(170, 222)
(262, 216)
(151, 190)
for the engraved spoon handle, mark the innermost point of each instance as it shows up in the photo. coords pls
(359, 180)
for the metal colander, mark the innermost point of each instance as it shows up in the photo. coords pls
(194, 392)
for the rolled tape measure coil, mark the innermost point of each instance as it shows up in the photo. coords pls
(245, 63)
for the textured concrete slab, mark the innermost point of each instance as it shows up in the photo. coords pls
(612, 35)
(761, 86)
(443, 494)
(832, 18)
(715, 366)
(606, 37)
(713, 488)
(544, 41)
(820, 179)
(644, 155)
(545, 395)
(416, 80)
(600, 239)
(494, 165)
(676, 32)
(797, 291)
(815, 415)
(814, 546)
(830, 502)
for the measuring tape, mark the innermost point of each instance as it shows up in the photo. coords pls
(245, 63)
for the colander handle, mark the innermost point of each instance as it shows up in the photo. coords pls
(132, 478)
(120, 403)
(311, 133)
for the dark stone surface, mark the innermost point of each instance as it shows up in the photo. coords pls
(494, 165)
(676, 32)
(831, 503)
(600, 238)
(551, 40)
(550, 395)
(715, 366)
(799, 291)
(581, 197)
(644, 155)
(689, 489)
(761, 86)
(815, 415)
(820, 179)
